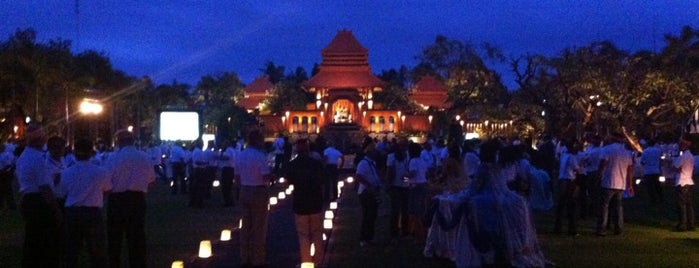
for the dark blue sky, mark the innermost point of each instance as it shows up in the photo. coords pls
(184, 40)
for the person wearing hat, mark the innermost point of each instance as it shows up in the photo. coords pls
(131, 175)
(684, 163)
(616, 165)
(84, 184)
(39, 208)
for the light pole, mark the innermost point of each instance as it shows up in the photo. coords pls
(91, 107)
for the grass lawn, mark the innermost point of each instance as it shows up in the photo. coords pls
(174, 232)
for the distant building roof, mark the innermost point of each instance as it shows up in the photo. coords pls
(345, 64)
(259, 85)
(429, 91)
(429, 83)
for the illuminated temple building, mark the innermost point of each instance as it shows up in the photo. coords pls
(344, 104)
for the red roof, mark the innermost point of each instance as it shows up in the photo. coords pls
(344, 42)
(339, 79)
(429, 83)
(260, 85)
(345, 65)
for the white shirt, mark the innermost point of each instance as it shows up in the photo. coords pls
(131, 170)
(569, 167)
(428, 158)
(591, 159)
(31, 171)
(85, 184)
(230, 152)
(367, 169)
(651, 160)
(685, 164)
(279, 145)
(618, 161)
(420, 168)
(251, 165)
(332, 155)
(401, 168)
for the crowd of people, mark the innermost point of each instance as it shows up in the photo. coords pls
(474, 195)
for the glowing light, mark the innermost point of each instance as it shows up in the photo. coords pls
(638, 181)
(177, 264)
(286, 114)
(318, 103)
(129, 128)
(226, 235)
(429, 118)
(313, 249)
(240, 224)
(216, 183)
(325, 237)
(282, 180)
(333, 205)
(205, 249)
(281, 195)
(661, 179)
(370, 104)
(28, 119)
(291, 187)
(172, 183)
(307, 265)
(329, 214)
(273, 200)
(350, 179)
(458, 117)
(340, 184)
(288, 191)
(327, 224)
(90, 106)
(461, 123)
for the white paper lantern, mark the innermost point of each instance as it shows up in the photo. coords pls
(226, 235)
(329, 214)
(205, 249)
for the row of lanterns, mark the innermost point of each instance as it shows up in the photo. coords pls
(205, 251)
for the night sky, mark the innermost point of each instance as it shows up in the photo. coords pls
(184, 40)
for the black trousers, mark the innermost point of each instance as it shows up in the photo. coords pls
(126, 216)
(655, 190)
(7, 197)
(331, 182)
(178, 174)
(370, 210)
(567, 203)
(399, 210)
(685, 207)
(198, 187)
(85, 224)
(41, 233)
(227, 176)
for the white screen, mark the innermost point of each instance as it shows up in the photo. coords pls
(179, 126)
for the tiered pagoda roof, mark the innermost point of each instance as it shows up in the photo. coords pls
(345, 64)
(256, 92)
(429, 91)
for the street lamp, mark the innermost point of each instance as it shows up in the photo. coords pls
(91, 106)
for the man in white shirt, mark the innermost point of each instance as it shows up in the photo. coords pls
(253, 176)
(334, 159)
(684, 164)
(85, 184)
(369, 193)
(132, 174)
(616, 165)
(651, 171)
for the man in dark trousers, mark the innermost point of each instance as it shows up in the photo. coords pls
(39, 208)
(304, 173)
(131, 174)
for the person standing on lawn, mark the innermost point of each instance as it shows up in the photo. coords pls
(307, 201)
(684, 184)
(254, 177)
(42, 216)
(397, 164)
(369, 191)
(132, 174)
(570, 170)
(616, 165)
(84, 184)
(334, 159)
(650, 159)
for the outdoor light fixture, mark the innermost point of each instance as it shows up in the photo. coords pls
(273, 200)
(333, 205)
(340, 184)
(327, 224)
(370, 104)
(638, 181)
(172, 183)
(325, 237)
(329, 214)
(307, 265)
(429, 118)
(458, 117)
(291, 187)
(281, 195)
(226, 235)
(286, 114)
(318, 103)
(461, 123)
(90, 106)
(177, 264)
(205, 249)
(350, 179)
(283, 119)
(313, 249)
(216, 183)
(240, 224)
(282, 180)
(288, 191)
(661, 179)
